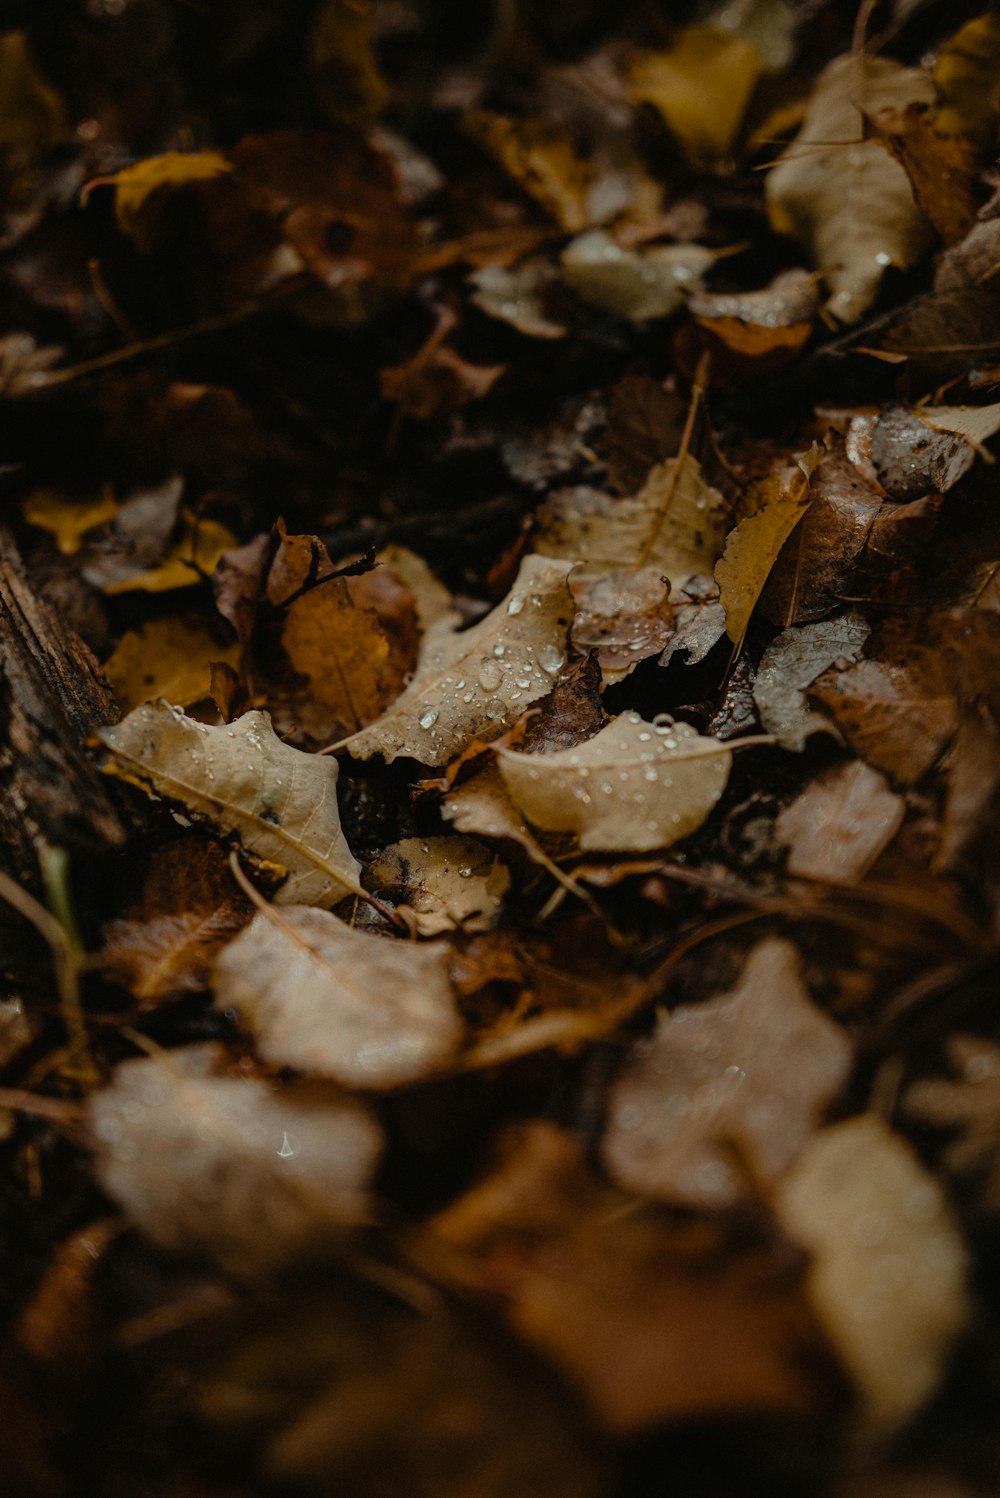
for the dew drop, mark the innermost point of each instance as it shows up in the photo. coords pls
(429, 718)
(489, 674)
(516, 603)
(550, 658)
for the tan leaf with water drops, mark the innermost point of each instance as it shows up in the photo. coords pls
(477, 683)
(279, 802)
(632, 787)
(842, 196)
(447, 883)
(742, 1077)
(332, 1001)
(888, 1278)
(226, 1167)
(634, 284)
(482, 805)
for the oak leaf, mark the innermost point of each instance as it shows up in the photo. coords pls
(367, 1011)
(279, 803)
(227, 1168)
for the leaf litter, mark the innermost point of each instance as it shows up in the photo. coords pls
(517, 1012)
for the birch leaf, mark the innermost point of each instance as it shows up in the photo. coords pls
(477, 683)
(844, 198)
(675, 524)
(280, 803)
(363, 1010)
(448, 883)
(889, 1266)
(753, 545)
(224, 1167)
(632, 787)
(791, 663)
(754, 1067)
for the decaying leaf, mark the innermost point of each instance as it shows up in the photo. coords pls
(675, 524)
(169, 658)
(840, 823)
(753, 546)
(701, 86)
(68, 518)
(752, 332)
(137, 187)
(968, 1103)
(655, 1318)
(942, 168)
(898, 717)
(624, 616)
(367, 1011)
(889, 1266)
(517, 296)
(225, 1167)
(166, 943)
(632, 787)
(791, 664)
(726, 1093)
(280, 803)
(842, 196)
(929, 447)
(634, 284)
(474, 684)
(448, 883)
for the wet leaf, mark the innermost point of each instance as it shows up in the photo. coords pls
(701, 86)
(843, 197)
(166, 943)
(840, 823)
(898, 717)
(475, 684)
(889, 1266)
(366, 1011)
(791, 664)
(281, 804)
(726, 1094)
(623, 616)
(482, 805)
(447, 883)
(634, 284)
(633, 786)
(226, 1167)
(170, 658)
(929, 447)
(517, 296)
(943, 169)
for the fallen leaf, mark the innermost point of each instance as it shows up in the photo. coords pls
(624, 616)
(943, 169)
(969, 1105)
(350, 90)
(227, 1168)
(539, 158)
(517, 296)
(739, 1080)
(972, 774)
(571, 713)
(675, 524)
(929, 448)
(482, 805)
(632, 787)
(898, 717)
(137, 188)
(138, 538)
(170, 658)
(238, 582)
(432, 599)
(474, 684)
(25, 364)
(166, 943)
(280, 803)
(754, 544)
(965, 74)
(193, 558)
(791, 664)
(750, 334)
(32, 115)
(449, 883)
(366, 1011)
(843, 197)
(840, 823)
(655, 1318)
(889, 1266)
(635, 284)
(67, 518)
(436, 381)
(954, 326)
(701, 86)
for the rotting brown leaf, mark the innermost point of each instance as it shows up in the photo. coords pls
(790, 665)
(442, 883)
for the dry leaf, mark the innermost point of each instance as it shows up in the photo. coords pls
(69, 519)
(331, 1001)
(969, 1104)
(655, 1318)
(841, 822)
(166, 943)
(632, 787)
(675, 524)
(889, 1266)
(350, 90)
(753, 546)
(701, 86)
(929, 447)
(193, 558)
(635, 284)
(965, 72)
(137, 188)
(170, 658)
(725, 1089)
(432, 599)
(475, 684)
(791, 664)
(482, 805)
(279, 802)
(448, 883)
(225, 1167)
(843, 197)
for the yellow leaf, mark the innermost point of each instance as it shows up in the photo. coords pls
(68, 519)
(349, 87)
(752, 547)
(701, 87)
(540, 159)
(967, 74)
(136, 185)
(193, 558)
(168, 658)
(31, 112)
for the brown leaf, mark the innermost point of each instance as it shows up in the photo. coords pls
(572, 711)
(897, 717)
(790, 665)
(166, 943)
(238, 582)
(447, 883)
(943, 169)
(970, 1104)
(623, 616)
(437, 381)
(739, 1080)
(539, 158)
(841, 822)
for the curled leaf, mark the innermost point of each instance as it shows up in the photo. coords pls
(790, 665)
